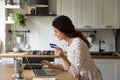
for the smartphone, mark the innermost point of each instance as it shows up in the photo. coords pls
(53, 45)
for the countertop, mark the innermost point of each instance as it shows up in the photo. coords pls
(105, 55)
(95, 55)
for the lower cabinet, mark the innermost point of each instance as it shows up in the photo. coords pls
(110, 68)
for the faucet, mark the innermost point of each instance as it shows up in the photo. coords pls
(100, 45)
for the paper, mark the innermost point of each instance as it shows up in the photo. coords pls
(44, 78)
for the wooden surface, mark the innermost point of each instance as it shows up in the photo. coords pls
(7, 70)
(24, 54)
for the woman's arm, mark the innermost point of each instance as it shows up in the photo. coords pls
(54, 66)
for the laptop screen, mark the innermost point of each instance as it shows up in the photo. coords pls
(36, 60)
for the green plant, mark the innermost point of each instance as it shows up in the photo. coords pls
(19, 72)
(19, 19)
(26, 2)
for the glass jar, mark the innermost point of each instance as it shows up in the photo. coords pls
(17, 64)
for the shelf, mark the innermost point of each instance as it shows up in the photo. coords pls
(9, 22)
(12, 6)
(40, 15)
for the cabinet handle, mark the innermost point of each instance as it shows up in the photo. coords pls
(108, 26)
(87, 26)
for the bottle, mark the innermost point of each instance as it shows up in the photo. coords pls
(10, 17)
(8, 2)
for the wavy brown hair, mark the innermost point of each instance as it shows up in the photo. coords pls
(65, 25)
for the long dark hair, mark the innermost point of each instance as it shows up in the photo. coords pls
(65, 25)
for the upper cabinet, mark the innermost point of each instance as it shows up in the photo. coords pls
(67, 7)
(87, 13)
(91, 14)
(109, 13)
(41, 8)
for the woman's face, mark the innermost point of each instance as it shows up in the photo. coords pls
(58, 34)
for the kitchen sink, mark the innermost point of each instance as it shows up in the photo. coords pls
(103, 54)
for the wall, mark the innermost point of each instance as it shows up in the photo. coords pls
(2, 25)
(41, 33)
(108, 37)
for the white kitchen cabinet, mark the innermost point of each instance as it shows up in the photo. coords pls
(68, 8)
(110, 68)
(98, 14)
(91, 14)
(109, 13)
(87, 13)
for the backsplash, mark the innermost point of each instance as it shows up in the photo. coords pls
(42, 34)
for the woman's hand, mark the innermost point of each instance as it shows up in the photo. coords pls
(45, 62)
(59, 52)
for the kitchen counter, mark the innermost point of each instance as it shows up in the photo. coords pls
(95, 55)
(105, 55)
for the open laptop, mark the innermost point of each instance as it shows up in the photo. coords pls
(42, 72)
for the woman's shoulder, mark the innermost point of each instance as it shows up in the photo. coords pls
(78, 41)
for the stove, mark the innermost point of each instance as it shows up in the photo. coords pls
(39, 52)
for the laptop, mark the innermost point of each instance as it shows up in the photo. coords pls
(42, 72)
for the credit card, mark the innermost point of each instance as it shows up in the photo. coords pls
(53, 45)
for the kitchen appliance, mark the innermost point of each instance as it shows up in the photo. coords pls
(118, 40)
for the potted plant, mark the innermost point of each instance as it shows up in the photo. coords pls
(19, 22)
(19, 75)
(19, 19)
(19, 37)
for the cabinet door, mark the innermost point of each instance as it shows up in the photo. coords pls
(109, 13)
(109, 68)
(87, 13)
(68, 8)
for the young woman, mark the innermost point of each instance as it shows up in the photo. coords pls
(78, 60)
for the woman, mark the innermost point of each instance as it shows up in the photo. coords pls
(78, 61)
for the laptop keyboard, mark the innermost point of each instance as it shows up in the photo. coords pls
(39, 72)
